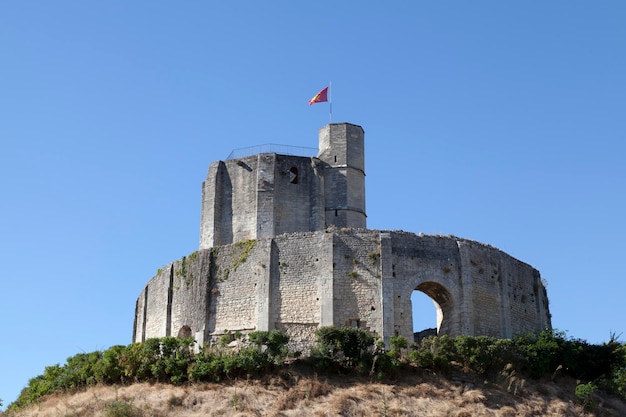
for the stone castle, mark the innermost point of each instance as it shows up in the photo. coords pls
(284, 245)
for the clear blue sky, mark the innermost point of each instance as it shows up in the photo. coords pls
(502, 122)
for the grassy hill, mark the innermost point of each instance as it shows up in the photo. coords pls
(347, 373)
(295, 393)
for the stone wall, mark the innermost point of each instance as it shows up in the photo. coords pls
(299, 282)
(269, 194)
(298, 196)
(260, 196)
(357, 280)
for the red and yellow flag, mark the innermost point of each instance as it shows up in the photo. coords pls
(319, 97)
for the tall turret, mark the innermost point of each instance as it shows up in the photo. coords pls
(341, 147)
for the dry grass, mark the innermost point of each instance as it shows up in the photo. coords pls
(294, 394)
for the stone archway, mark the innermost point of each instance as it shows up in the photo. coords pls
(184, 332)
(442, 301)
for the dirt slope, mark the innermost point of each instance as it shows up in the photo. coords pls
(293, 394)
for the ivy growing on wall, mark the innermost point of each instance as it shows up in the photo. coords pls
(182, 273)
(245, 249)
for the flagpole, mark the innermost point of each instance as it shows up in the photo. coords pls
(330, 99)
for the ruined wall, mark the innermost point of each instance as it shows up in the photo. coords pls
(174, 298)
(260, 196)
(156, 318)
(298, 196)
(189, 284)
(235, 276)
(229, 201)
(299, 282)
(298, 290)
(479, 289)
(269, 194)
(357, 280)
(431, 265)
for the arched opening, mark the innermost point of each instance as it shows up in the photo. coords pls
(424, 312)
(184, 332)
(429, 301)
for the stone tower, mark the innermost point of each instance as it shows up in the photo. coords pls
(268, 194)
(341, 147)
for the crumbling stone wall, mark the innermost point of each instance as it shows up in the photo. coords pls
(299, 282)
(269, 194)
(357, 279)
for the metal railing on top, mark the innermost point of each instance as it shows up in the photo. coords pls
(272, 148)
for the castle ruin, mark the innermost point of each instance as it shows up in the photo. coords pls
(284, 245)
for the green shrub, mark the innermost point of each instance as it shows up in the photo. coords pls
(619, 382)
(277, 342)
(584, 394)
(434, 352)
(245, 363)
(345, 348)
(137, 360)
(80, 370)
(109, 370)
(617, 378)
(540, 352)
(322, 355)
(118, 408)
(36, 388)
(484, 355)
(215, 365)
(274, 342)
(389, 361)
(398, 342)
(208, 367)
(543, 353)
(385, 362)
(259, 337)
(593, 362)
(170, 364)
(162, 359)
(348, 347)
